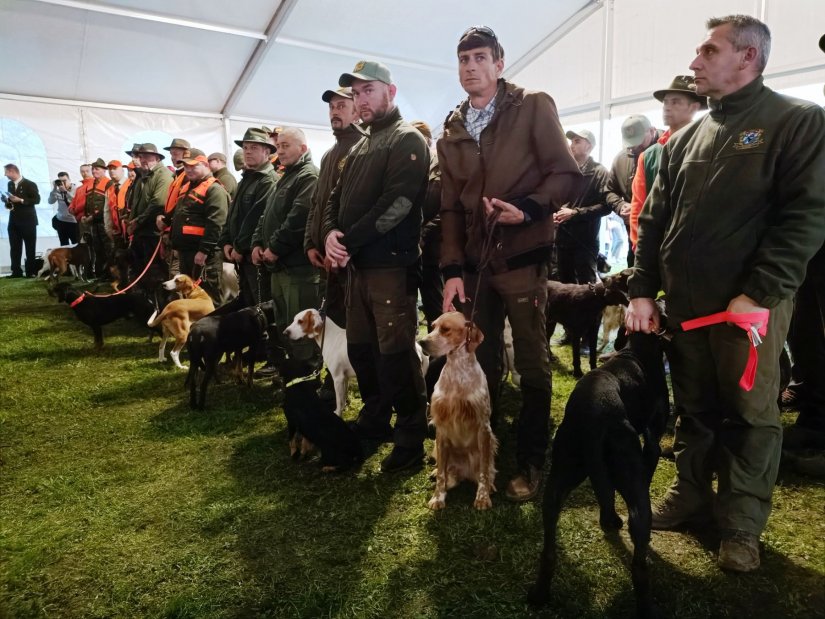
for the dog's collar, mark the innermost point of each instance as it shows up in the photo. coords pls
(78, 300)
(304, 379)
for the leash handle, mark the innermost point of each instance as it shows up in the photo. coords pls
(747, 322)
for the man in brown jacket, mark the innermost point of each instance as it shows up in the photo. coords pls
(503, 148)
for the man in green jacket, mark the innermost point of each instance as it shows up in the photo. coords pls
(149, 199)
(733, 217)
(198, 218)
(217, 163)
(258, 180)
(504, 149)
(372, 228)
(278, 241)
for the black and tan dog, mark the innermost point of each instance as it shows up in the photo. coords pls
(312, 421)
(599, 438)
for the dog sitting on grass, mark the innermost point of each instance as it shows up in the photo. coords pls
(599, 438)
(313, 422)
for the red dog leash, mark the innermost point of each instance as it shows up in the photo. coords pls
(745, 321)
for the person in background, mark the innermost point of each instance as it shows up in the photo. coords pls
(21, 199)
(63, 221)
(217, 163)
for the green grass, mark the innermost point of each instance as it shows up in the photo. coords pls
(116, 500)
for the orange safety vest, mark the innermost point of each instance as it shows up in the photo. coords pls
(198, 195)
(78, 206)
(121, 194)
(179, 186)
(100, 189)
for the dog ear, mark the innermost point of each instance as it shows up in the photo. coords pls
(475, 338)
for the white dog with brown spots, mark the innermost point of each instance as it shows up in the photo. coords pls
(465, 446)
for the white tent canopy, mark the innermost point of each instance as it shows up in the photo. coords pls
(84, 79)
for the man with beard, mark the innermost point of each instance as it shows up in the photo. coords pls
(372, 228)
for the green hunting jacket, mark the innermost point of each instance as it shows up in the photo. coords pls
(197, 222)
(247, 207)
(738, 205)
(282, 225)
(150, 194)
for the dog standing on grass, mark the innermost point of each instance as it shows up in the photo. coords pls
(465, 446)
(599, 438)
(178, 316)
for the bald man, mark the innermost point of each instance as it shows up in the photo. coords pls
(278, 243)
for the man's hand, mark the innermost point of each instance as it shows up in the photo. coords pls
(257, 255)
(200, 259)
(15, 199)
(336, 252)
(743, 304)
(160, 222)
(563, 214)
(315, 258)
(642, 315)
(452, 287)
(86, 219)
(625, 210)
(235, 256)
(227, 252)
(130, 227)
(269, 256)
(510, 215)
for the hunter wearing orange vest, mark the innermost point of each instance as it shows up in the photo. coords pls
(92, 216)
(196, 224)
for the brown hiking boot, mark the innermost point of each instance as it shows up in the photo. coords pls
(739, 551)
(672, 513)
(525, 485)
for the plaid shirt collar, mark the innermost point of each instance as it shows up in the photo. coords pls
(476, 120)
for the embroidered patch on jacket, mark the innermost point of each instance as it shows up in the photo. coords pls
(341, 163)
(750, 139)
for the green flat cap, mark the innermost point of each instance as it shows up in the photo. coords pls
(367, 70)
(237, 160)
(219, 156)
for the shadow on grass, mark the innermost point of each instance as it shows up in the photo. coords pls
(310, 541)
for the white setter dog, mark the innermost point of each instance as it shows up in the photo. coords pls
(465, 446)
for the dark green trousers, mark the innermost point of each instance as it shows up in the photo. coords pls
(724, 429)
(295, 289)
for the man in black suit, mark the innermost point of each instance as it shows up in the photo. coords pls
(22, 197)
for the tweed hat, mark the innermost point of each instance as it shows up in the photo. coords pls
(98, 163)
(257, 136)
(178, 143)
(149, 149)
(682, 85)
(338, 92)
(367, 70)
(219, 156)
(135, 148)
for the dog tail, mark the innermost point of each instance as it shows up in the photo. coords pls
(154, 319)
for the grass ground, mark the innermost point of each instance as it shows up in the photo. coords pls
(118, 501)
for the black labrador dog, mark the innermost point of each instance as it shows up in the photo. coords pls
(96, 311)
(311, 418)
(599, 438)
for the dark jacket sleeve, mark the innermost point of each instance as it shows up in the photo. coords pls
(554, 159)
(653, 221)
(453, 229)
(215, 207)
(404, 178)
(315, 213)
(30, 193)
(243, 242)
(289, 237)
(798, 230)
(615, 198)
(596, 199)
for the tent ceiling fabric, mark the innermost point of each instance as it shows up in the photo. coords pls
(63, 50)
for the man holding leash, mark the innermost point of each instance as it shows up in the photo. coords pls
(504, 151)
(732, 219)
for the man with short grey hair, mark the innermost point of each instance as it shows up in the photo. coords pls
(733, 217)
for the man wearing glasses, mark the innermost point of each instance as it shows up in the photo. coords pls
(504, 150)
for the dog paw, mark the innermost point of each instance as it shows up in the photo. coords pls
(483, 502)
(538, 595)
(436, 503)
